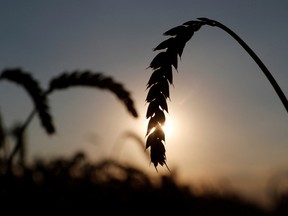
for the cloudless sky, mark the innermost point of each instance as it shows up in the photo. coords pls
(227, 121)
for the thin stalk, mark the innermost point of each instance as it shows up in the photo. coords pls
(18, 142)
(267, 73)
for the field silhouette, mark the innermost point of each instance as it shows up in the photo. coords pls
(75, 184)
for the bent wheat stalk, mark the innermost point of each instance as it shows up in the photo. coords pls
(132, 135)
(89, 79)
(36, 93)
(65, 80)
(40, 100)
(162, 76)
(253, 55)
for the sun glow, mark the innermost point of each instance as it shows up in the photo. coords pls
(168, 126)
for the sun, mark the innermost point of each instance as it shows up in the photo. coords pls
(168, 127)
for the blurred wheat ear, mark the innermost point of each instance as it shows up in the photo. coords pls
(158, 84)
(92, 79)
(33, 88)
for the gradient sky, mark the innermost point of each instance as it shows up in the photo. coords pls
(228, 122)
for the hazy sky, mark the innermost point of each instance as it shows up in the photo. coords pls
(227, 120)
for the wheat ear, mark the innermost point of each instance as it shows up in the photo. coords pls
(33, 88)
(158, 85)
(98, 80)
(162, 76)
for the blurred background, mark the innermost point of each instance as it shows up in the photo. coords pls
(227, 125)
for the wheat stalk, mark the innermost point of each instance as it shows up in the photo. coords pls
(162, 65)
(98, 80)
(3, 135)
(269, 76)
(33, 88)
(20, 137)
(40, 101)
(132, 135)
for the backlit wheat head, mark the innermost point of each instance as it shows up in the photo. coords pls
(158, 86)
(162, 76)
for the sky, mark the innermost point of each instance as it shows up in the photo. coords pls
(227, 122)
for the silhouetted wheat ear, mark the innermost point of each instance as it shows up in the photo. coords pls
(162, 76)
(158, 85)
(36, 93)
(98, 80)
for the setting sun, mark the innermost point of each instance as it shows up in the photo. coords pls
(168, 127)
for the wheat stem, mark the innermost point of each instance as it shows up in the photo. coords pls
(264, 69)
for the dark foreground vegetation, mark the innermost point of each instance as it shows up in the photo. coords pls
(107, 187)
